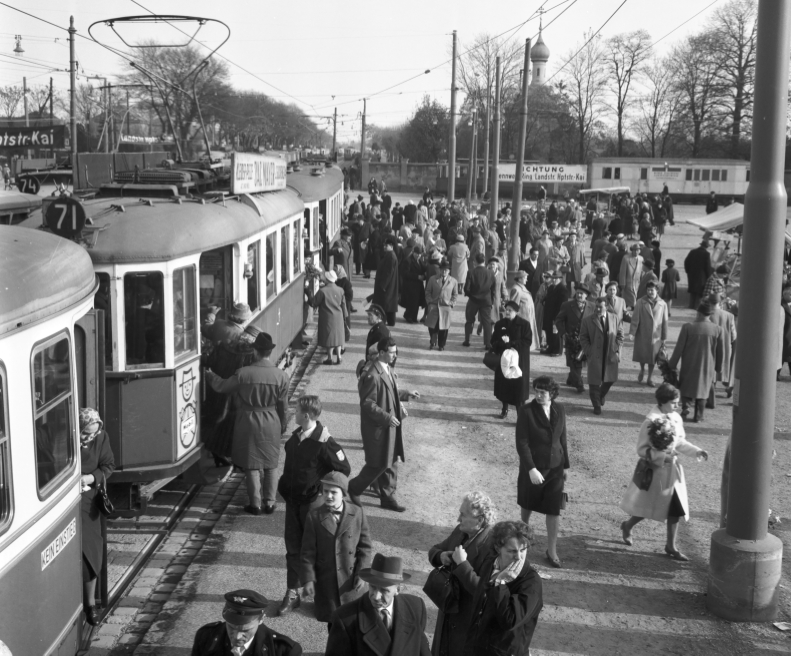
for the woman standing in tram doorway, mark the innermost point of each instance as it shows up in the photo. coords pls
(331, 303)
(97, 463)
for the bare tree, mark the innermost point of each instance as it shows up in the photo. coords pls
(657, 108)
(733, 30)
(10, 99)
(625, 55)
(584, 77)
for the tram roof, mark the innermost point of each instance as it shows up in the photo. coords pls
(312, 188)
(15, 200)
(42, 275)
(158, 230)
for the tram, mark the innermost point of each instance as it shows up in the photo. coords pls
(168, 253)
(49, 336)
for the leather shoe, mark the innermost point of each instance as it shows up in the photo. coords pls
(580, 389)
(555, 562)
(269, 508)
(675, 554)
(355, 500)
(290, 602)
(627, 536)
(393, 505)
(597, 411)
(91, 615)
(465, 343)
(253, 510)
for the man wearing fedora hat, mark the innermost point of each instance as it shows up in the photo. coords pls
(568, 323)
(225, 330)
(383, 621)
(243, 631)
(441, 292)
(261, 398)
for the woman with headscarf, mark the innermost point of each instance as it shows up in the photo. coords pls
(348, 295)
(458, 255)
(520, 295)
(512, 332)
(413, 295)
(96, 465)
(330, 301)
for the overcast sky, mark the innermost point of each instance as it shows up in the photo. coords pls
(323, 54)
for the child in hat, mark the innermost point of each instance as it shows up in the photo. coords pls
(336, 546)
(311, 453)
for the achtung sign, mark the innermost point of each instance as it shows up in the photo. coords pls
(569, 173)
(252, 173)
(46, 137)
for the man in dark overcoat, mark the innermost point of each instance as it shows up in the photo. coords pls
(601, 338)
(698, 267)
(243, 633)
(381, 414)
(382, 622)
(557, 294)
(568, 323)
(261, 391)
(386, 282)
(530, 267)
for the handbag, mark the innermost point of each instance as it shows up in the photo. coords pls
(643, 474)
(491, 360)
(102, 501)
(443, 589)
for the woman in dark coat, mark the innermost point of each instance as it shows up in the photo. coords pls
(96, 465)
(373, 251)
(386, 284)
(509, 597)
(512, 332)
(465, 551)
(330, 301)
(543, 459)
(413, 296)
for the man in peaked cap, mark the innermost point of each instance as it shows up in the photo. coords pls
(243, 633)
(383, 621)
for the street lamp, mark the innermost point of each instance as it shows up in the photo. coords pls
(18, 50)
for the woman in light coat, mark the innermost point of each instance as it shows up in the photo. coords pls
(441, 292)
(629, 275)
(666, 498)
(458, 254)
(649, 330)
(331, 302)
(520, 295)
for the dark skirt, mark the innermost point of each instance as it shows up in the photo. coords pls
(676, 507)
(545, 498)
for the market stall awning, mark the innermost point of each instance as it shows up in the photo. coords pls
(727, 218)
(605, 190)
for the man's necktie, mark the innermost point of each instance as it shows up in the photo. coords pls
(385, 618)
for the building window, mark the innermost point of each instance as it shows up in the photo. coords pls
(284, 248)
(705, 174)
(53, 410)
(269, 261)
(185, 336)
(607, 173)
(696, 175)
(715, 175)
(617, 173)
(145, 320)
(252, 272)
(724, 175)
(689, 174)
(644, 174)
(104, 301)
(6, 498)
(296, 238)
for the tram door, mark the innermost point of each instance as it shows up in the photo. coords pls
(216, 276)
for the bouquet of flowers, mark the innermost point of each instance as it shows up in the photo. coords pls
(669, 374)
(661, 433)
(573, 345)
(312, 272)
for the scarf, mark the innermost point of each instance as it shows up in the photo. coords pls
(87, 417)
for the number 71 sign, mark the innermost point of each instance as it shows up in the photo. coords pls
(65, 216)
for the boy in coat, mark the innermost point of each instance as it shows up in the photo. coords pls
(311, 453)
(336, 546)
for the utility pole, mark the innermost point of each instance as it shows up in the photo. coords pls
(111, 124)
(51, 114)
(334, 133)
(73, 93)
(516, 203)
(472, 167)
(452, 136)
(362, 139)
(745, 563)
(475, 156)
(129, 119)
(486, 135)
(496, 152)
(27, 118)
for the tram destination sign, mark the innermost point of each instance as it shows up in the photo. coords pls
(251, 173)
(569, 173)
(51, 136)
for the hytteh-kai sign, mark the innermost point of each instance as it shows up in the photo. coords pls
(52, 136)
(568, 173)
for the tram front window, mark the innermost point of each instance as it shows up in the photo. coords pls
(145, 320)
(252, 272)
(185, 338)
(284, 256)
(271, 289)
(53, 410)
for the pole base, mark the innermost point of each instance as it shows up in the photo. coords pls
(744, 576)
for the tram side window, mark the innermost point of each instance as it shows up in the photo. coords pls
(607, 173)
(705, 173)
(617, 173)
(271, 288)
(252, 272)
(724, 175)
(104, 301)
(284, 248)
(644, 174)
(689, 174)
(215, 279)
(145, 320)
(715, 175)
(314, 231)
(53, 413)
(696, 175)
(5, 458)
(185, 336)
(296, 237)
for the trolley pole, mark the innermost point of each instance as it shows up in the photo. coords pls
(472, 167)
(515, 247)
(452, 128)
(746, 561)
(334, 133)
(496, 151)
(73, 94)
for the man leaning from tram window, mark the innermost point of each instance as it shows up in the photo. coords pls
(243, 631)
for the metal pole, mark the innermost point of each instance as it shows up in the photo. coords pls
(334, 133)
(51, 114)
(452, 135)
(129, 118)
(496, 151)
(746, 561)
(486, 135)
(112, 118)
(362, 140)
(475, 156)
(515, 247)
(27, 118)
(73, 94)
(471, 168)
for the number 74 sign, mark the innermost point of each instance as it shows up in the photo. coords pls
(65, 216)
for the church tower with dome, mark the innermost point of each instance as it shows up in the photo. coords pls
(539, 56)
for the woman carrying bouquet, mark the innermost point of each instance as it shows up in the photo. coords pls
(661, 439)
